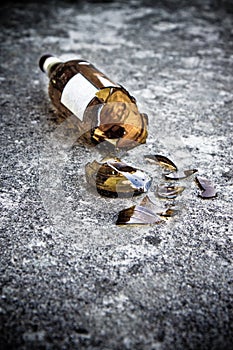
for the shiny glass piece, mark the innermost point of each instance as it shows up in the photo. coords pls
(208, 190)
(114, 178)
(169, 212)
(162, 161)
(142, 214)
(169, 191)
(180, 174)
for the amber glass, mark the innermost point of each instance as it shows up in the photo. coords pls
(63, 72)
(111, 115)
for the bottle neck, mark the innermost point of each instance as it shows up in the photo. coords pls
(48, 63)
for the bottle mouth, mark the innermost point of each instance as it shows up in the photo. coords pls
(47, 62)
(42, 61)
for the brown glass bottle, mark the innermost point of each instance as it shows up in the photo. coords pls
(105, 110)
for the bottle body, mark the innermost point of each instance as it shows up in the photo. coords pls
(78, 81)
(105, 110)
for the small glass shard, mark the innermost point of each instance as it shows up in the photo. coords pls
(148, 203)
(169, 212)
(146, 213)
(208, 190)
(162, 161)
(114, 178)
(181, 174)
(169, 191)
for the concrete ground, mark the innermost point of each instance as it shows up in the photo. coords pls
(70, 278)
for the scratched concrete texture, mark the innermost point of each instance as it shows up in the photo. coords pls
(70, 277)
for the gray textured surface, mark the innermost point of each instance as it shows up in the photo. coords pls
(70, 278)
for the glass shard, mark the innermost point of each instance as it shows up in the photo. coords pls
(169, 191)
(162, 161)
(169, 212)
(208, 190)
(146, 213)
(180, 174)
(114, 178)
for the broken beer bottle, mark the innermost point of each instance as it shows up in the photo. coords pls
(105, 111)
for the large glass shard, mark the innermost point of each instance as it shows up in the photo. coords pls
(143, 214)
(162, 161)
(208, 190)
(113, 117)
(114, 178)
(169, 191)
(180, 174)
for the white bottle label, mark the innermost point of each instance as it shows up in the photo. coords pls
(77, 93)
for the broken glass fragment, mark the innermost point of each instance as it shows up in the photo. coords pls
(139, 214)
(180, 174)
(162, 161)
(208, 190)
(114, 178)
(169, 191)
(169, 212)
